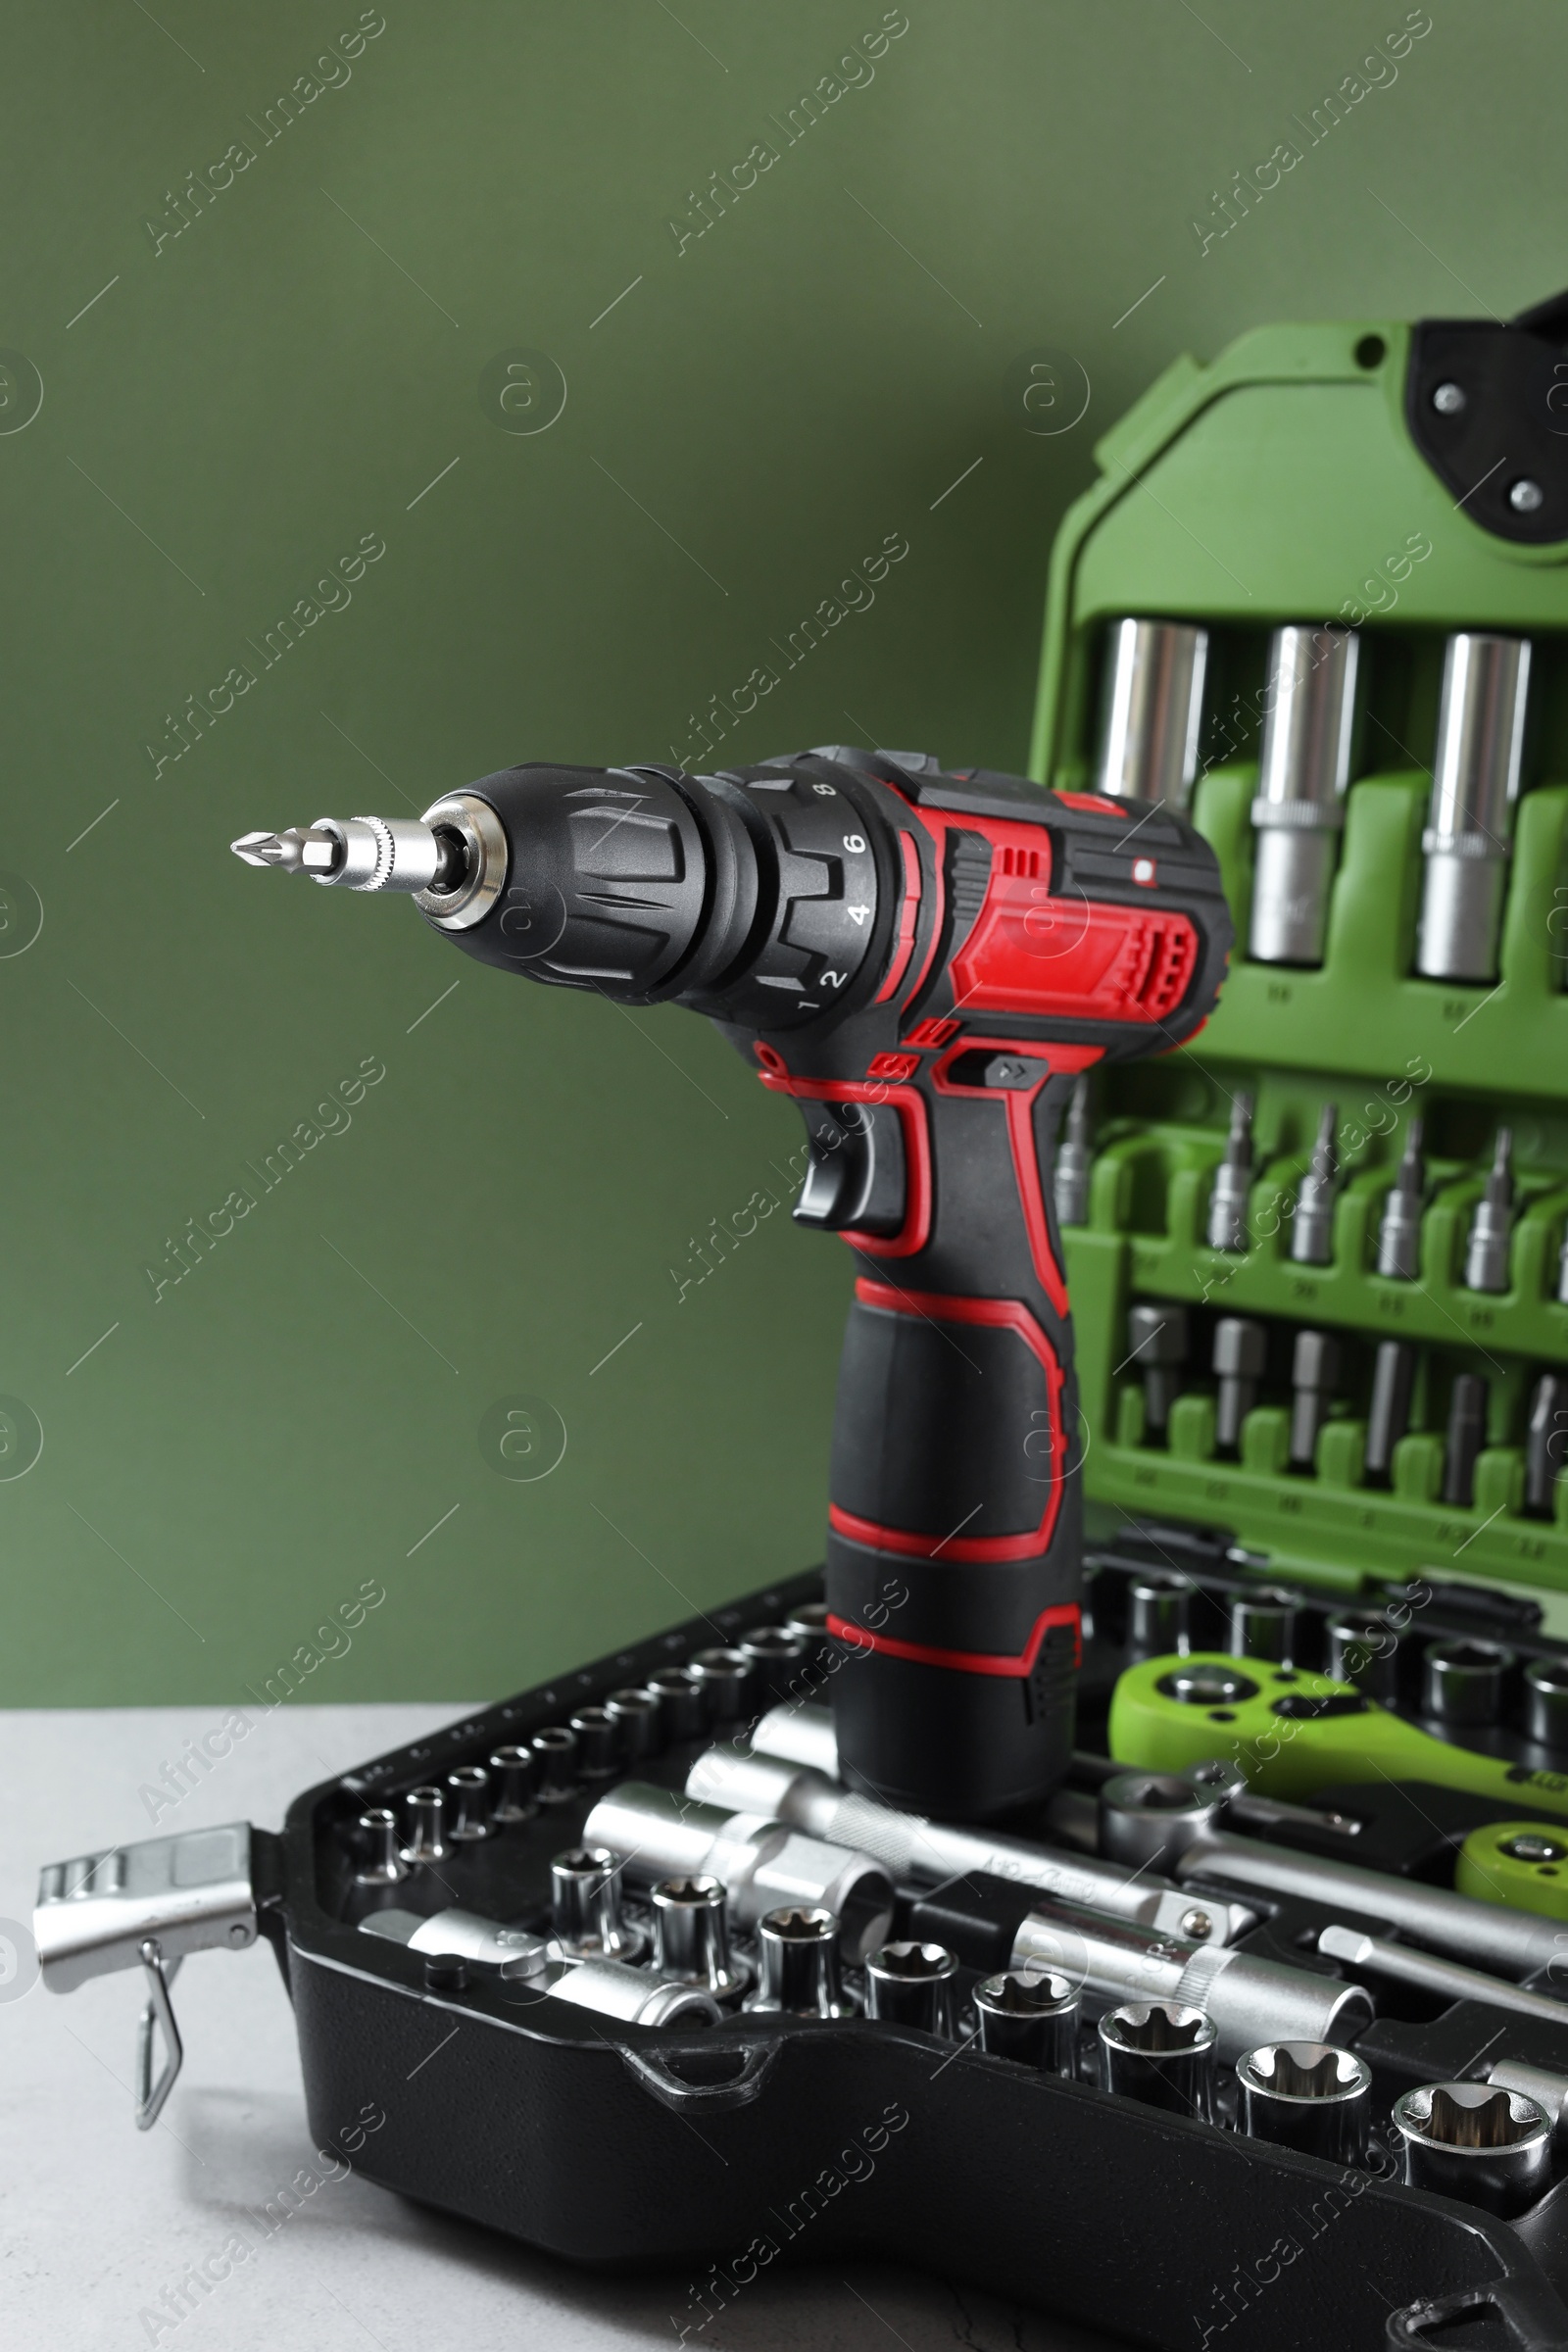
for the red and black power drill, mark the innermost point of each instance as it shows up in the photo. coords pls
(925, 961)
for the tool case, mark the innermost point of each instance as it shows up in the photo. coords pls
(1309, 480)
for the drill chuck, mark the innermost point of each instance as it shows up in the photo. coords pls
(926, 962)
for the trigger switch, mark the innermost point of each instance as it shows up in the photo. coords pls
(854, 1177)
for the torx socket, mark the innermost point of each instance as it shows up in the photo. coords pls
(1148, 1819)
(1487, 2146)
(1466, 1435)
(585, 1907)
(724, 1678)
(1462, 1682)
(1263, 1623)
(1030, 2016)
(1363, 1649)
(1312, 1227)
(1307, 2095)
(1546, 1701)
(1239, 1362)
(1314, 1376)
(512, 1772)
(1226, 1226)
(1304, 768)
(1546, 1446)
(682, 1713)
(1070, 1175)
(468, 1802)
(691, 1938)
(1486, 1251)
(1159, 1615)
(911, 1984)
(1151, 707)
(798, 1946)
(1548, 2090)
(598, 1735)
(1388, 1413)
(426, 1837)
(636, 1712)
(1161, 2053)
(1399, 1228)
(555, 1755)
(384, 1864)
(1475, 782)
(1157, 1342)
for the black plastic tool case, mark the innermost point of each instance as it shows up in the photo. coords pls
(715, 2153)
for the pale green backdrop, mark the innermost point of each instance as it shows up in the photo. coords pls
(754, 399)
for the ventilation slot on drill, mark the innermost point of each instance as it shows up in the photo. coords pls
(1162, 957)
(1025, 862)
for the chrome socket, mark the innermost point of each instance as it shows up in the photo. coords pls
(1546, 1701)
(799, 1950)
(1161, 2053)
(598, 1737)
(635, 1712)
(426, 1833)
(1488, 2146)
(1151, 707)
(1030, 2016)
(1364, 1649)
(1461, 1681)
(1304, 772)
(774, 1653)
(682, 1713)
(511, 1771)
(555, 1757)
(911, 1985)
(585, 1907)
(1309, 2095)
(799, 1735)
(1159, 1615)
(691, 1939)
(1263, 1623)
(384, 1864)
(725, 1678)
(468, 1802)
(1475, 782)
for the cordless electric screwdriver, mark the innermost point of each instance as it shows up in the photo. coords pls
(925, 961)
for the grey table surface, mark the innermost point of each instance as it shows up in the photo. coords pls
(99, 2222)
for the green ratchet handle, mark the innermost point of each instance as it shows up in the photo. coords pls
(1293, 1733)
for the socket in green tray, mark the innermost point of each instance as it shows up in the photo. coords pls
(1294, 1733)
(1279, 485)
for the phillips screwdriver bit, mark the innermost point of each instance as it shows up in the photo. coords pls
(1227, 1203)
(1485, 1255)
(1399, 1232)
(1313, 1234)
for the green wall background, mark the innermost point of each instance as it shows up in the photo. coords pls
(841, 356)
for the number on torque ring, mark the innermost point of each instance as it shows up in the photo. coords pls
(833, 979)
(854, 842)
